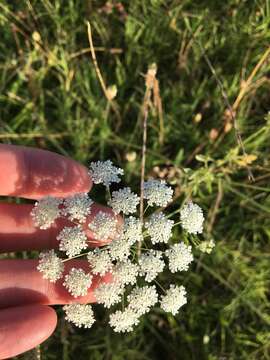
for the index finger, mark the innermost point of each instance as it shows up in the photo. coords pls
(34, 173)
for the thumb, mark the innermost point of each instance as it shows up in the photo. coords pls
(24, 327)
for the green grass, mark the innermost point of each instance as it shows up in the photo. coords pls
(50, 97)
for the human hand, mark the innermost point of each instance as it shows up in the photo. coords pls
(26, 320)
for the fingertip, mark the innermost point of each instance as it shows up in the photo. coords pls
(35, 173)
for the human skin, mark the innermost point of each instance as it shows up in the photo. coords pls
(26, 319)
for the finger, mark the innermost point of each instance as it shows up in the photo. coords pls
(17, 230)
(24, 327)
(21, 283)
(34, 173)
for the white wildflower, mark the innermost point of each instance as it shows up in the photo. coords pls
(72, 240)
(77, 207)
(151, 264)
(157, 192)
(108, 294)
(179, 256)
(125, 272)
(104, 172)
(103, 226)
(80, 315)
(45, 212)
(100, 261)
(132, 230)
(141, 299)
(192, 218)
(50, 265)
(159, 228)
(119, 249)
(124, 200)
(78, 282)
(123, 321)
(207, 246)
(174, 299)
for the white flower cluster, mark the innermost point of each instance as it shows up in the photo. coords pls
(125, 201)
(180, 256)
(104, 172)
(134, 251)
(72, 240)
(77, 207)
(174, 299)
(80, 315)
(103, 226)
(159, 228)
(50, 265)
(45, 212)
(78, 282)
(192, 218)
(151, 264)
(157, 192)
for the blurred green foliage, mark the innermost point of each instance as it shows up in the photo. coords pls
(50, 97)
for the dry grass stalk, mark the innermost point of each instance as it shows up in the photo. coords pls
(150, 79)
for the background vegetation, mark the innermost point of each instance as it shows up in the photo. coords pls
(50, 97)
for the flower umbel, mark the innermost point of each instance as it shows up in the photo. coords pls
(80, 315)
(72, 240)
(123, 321)
(103, 226)
(45, 212)
(159, 228)
(50, 265)
(180, 257)
(174, 299)
(77, 207)
(157, 192)
(124, 201)
(134, 250)
(192, 218)
(78, 282)
(104, 172)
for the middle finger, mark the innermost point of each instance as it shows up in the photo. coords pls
(17, 230)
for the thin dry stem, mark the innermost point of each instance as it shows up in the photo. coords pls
(227, 103)
(214, 212)
(247, 83)
(98, 72)
(149, 84)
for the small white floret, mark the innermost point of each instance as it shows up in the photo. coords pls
(159, 228)
(119, 249)
(46, 211)
(72, 240)
(108, 294)
(132, 231)
(157, 192)
(104, 172)
(77, 207)
(103, 226)
(192, 218)
(100, 261)
(125, 201)
(174, 299)
(77, 282)
(80, 315)
(151, 264)
(141, 299)
(50, 265)
(125, 273)
(180, 256)
(123, 321)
